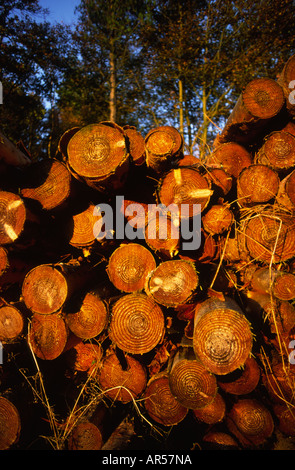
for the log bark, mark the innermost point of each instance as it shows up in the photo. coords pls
(246, 382)
(251, 422)
(129, 266)
(62, 148)
(122, 381)
(257, 184)
(164, 147)
(278, 151)
(162, 235)
(137, 323)
(172, 283)
(160, 403)
(98, 155)
(10, 424)
(285, 78)
(222, 337)
(10, 155)
(286, 194)
(136, 145)
(261, 100)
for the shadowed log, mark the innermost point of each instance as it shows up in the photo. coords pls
(10, 424)
(251, 422)
(122, 382)
(191, 383)
(160, 403)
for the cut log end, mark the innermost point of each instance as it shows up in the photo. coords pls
(231, 157)
(11, 323)
(12, 217)
(137, 323)
(85, 436)
(222, 337)
(278, 151)
(91, 319)
(192, 384)
(163, 147)
(218, 219)
(82, 230)
(185, 186)
(47, 335)
(122, 382)
(129, 266)
(251, 422)
(257, 184)
(44, 289)
(246, 382)
(48, 182)
(270, 237)
(85, 357)
(98, 155)
(160, 404)
(173, 282)
(212, 413)
(10, 424)
(263, 98)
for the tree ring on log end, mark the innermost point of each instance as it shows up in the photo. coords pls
(12, 217)
(10, 424)
(263, 98)
(222, 340)
(137, 323)
(44, 289)
(192, 384)
(96, 150)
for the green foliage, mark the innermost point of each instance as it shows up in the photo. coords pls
(31, 63)
(148, 63)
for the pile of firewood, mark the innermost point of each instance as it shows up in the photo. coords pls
(116, 332)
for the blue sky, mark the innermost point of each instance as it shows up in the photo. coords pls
(60, 10)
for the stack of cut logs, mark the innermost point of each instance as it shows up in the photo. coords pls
(111, 340)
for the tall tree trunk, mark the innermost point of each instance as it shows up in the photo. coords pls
(112, 83)
(180, 100)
